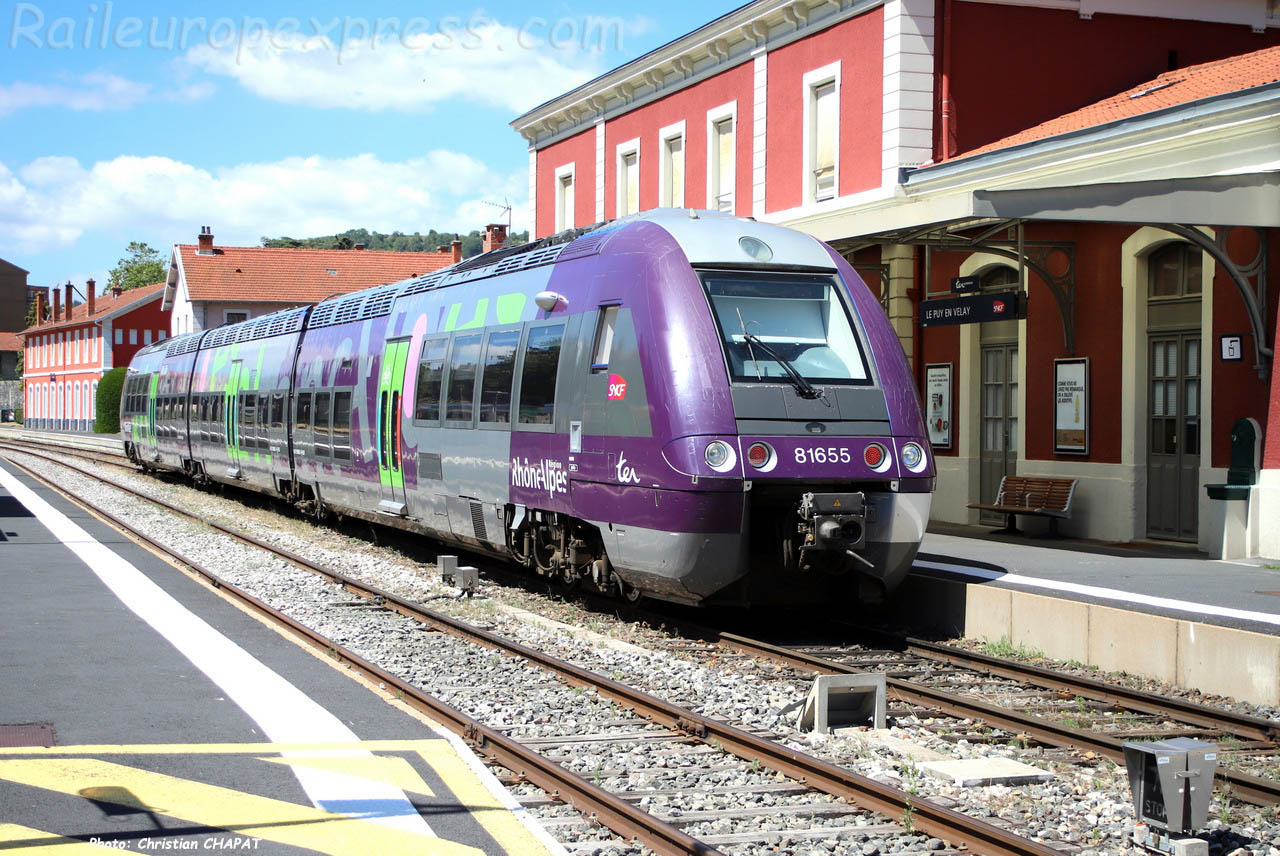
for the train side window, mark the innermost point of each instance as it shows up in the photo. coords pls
(342, 425)
(264, 419)
(277, 411)
(248, 412)
(603, 348)
(321, 444)
(426, 400)
(302, 412)
(460, 404)
(538, 375)
(499, 372)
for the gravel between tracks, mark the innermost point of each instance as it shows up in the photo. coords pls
(1086, 808)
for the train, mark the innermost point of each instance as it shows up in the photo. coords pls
(678, 404)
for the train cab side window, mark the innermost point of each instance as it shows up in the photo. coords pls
(302, 412)
(603, 348)
(426, 401)
(342, 426)
(538, 376)
(460, 403)
(499, 371)
(321, 444)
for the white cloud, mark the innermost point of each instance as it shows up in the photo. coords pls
(54, 202)
(94, 91)
(478, 60)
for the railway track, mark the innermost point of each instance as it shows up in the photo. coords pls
(837, 803)
(1028, 702)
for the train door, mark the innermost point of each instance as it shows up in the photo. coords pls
(231, 423)
(149, 445)
(391, 426)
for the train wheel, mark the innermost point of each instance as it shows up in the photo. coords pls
(628, 592)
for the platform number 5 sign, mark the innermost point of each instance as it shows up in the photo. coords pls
(1230, 348)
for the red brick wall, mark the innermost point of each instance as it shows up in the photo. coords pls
(1014, 67)
(859, 46)
(581, 150)
(691, 105)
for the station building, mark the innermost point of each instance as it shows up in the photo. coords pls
(68, 351)
(1102, 175)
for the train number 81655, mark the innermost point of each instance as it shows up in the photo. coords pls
(823, 455)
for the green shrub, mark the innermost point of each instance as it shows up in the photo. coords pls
(111, 386)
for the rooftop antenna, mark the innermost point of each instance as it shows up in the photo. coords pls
(505, 205)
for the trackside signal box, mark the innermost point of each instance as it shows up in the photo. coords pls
(1172, 783)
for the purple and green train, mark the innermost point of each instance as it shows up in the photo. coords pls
(679, 404)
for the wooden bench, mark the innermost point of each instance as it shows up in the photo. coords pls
(1043, 497)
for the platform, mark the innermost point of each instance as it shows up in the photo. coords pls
(167, 718)
(1164, 612)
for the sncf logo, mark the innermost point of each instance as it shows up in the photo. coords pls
(617, 387)
(997, 306)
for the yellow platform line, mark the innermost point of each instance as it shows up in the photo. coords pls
(223, 808)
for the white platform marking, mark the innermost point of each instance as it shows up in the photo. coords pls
(1099, 593)
(283, 712)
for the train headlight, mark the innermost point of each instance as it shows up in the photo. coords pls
(913, 457)
(720, 456)
(761, 456)
(877, 457)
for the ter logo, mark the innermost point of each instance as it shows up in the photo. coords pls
(617, 387)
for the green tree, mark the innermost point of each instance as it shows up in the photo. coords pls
(107, 418)
(143, 266)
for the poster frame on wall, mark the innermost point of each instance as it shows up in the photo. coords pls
(937, 381)
(1071, 424)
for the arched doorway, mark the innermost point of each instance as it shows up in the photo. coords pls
(1174, 284)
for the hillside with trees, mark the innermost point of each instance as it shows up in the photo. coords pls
(396, 241)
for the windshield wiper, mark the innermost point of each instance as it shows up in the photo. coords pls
(803, 388)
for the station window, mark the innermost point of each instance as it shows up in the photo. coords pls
(672, 166)
(822, 121)
(538, 376)
(720, 158)
(237, 317)
(342, 425)
(460, 402)
(564, 198)
(1175, 271)
(628, 170)
(321, 443)
(499, 371)
(133, 337)
(426, 403)
(603, 347)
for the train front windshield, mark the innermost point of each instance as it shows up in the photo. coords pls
(770, 322)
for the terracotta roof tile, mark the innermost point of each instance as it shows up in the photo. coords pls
(10, 342)
(281, 275)
(1170, 89)
(104, 304)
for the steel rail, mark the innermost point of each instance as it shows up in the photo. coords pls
(866, 793)
(1252, 789)
(613, 812)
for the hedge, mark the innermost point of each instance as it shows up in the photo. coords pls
(110, 388)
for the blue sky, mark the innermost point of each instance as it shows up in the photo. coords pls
(124, 121)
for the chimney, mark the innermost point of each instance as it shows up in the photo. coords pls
(116, 291)
(495, 235)
(57, 305)
(89, 288)
(69, 299)
(359, 246)
(456, 249)
(40, 319)
(205, 245)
